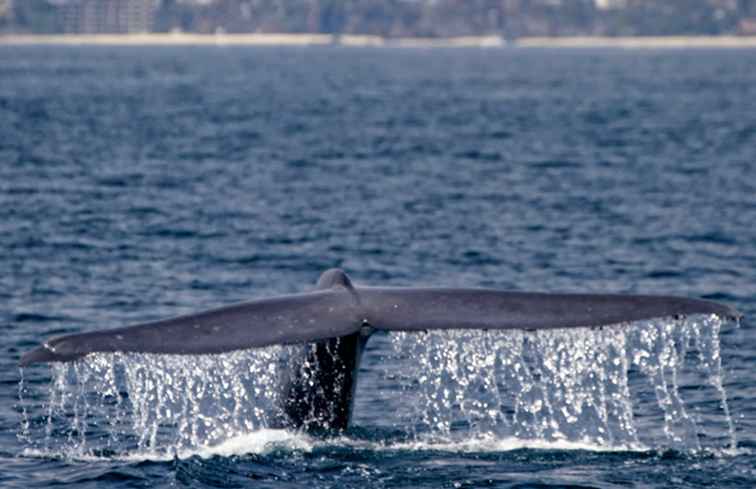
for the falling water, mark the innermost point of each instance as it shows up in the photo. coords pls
(158, 403)
(655, 384)
(616, 386)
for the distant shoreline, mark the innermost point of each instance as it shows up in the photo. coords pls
(179, 39)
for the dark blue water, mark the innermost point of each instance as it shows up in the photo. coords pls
(138, 183)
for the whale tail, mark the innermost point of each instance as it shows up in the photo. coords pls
(338, 308)
(338, 318)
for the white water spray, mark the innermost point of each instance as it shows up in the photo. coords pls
(161, 404)
(612, 387)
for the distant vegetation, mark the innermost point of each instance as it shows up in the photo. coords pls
(395, 18)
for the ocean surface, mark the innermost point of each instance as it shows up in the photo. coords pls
(141, 183)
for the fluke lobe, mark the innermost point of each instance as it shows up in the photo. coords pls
(339, 317)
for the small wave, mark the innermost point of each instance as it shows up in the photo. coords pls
(487, 444)
(261, 442)
(258, 443)
(268, 441)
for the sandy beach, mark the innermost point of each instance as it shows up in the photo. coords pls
(376, 41)
(659, 42)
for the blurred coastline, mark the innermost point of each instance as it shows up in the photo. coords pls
(287, 39)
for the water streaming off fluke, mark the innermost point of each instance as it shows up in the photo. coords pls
(159, 403)
(634, 386)
(640, 385)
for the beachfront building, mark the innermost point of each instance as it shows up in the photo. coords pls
(6, 9)
(108, 16)
(609, 4)
(6, 16)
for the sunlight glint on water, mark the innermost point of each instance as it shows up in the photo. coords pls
(580, 385)
(613, 387)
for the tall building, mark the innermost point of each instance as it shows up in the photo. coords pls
(108, 16)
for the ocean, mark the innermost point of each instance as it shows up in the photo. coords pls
(138, 183)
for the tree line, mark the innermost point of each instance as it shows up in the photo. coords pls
(424, 18)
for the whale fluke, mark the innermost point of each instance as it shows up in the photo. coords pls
(412, 309)
(339, 309)
(298, 318)
(338, 319)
